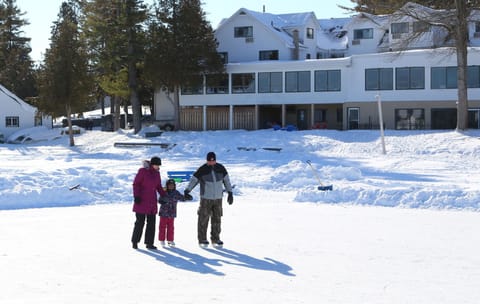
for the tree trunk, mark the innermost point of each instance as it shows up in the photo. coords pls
(116, 113)
(461, 45)
(134, 101)
(176, 105)
(70, 129)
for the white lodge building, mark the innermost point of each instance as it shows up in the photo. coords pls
(292, 69)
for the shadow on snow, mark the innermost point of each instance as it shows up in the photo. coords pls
(197, 263)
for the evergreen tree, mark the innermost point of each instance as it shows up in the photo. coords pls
(16, 66)
(182, 47)
(114, 32)
(64, 80)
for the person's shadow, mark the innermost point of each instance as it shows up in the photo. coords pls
(187, 261)
(244, 260)
(197, 263)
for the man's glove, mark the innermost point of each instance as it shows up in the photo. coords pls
(230, 197)
(187, 196)
(137, 199)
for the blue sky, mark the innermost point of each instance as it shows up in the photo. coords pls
(41, 14)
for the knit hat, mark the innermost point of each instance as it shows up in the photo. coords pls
(156, 161)
(211, 156)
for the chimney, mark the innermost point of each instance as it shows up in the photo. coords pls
(296, 43)
(264, 8)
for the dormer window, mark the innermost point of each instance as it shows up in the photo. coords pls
(400, 28)
(363, 33)
(310, 33)
(243, 32)
(420, 27)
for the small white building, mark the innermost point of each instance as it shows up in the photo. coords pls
(16, 114)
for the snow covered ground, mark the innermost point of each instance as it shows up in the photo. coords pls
(397, 228)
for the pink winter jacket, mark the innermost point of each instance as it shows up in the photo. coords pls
(146, 184)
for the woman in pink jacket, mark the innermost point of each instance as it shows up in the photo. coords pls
(146, 184)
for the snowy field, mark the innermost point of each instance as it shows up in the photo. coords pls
(397, 228)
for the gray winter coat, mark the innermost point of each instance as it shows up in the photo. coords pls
(212, 179)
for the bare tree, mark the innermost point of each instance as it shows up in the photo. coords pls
(446, 28)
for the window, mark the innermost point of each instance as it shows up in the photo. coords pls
(310, 33)
(268, 55)
(270, 82)
(473, 76)
(410, 78)
(363, 33)
(194, 87)
(12, 122)
(327, 80)
(224, 56)
(409, 119)
(243, 83)
(243, 32)
(297, 81)
(217, 84)
(420, 26)
(477, 27)
(399, 28)
(379, 79)
(443, 78)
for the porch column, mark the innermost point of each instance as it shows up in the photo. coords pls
(256, 117)
(204, 118)
(230, 120)
(312, 115)
(284, 114)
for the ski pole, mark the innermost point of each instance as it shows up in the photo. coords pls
(77, 187)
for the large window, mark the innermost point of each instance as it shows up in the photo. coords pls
(217, 84)
(409, 119)
(410, 78)
(243, 83)
(268, 55)
(420, 27)
(243, 32)
(444, 78)
(379, 79)
(297, 81)
(363, 33)
(473, 76)
(328, 80)
(12, 122)
(399, 27)
(194, 87)
(270, 82)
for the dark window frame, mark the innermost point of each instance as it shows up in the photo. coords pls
(298, 86)
(384, 79)
(243, 32)
(331, 83)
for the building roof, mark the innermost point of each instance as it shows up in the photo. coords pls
(16, 99)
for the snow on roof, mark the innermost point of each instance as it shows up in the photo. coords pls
(274, 23)
(15, 98)
(382, 21)
(330, 35)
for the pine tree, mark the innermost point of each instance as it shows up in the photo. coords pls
(182, 47)
(16, 66)
(64, 80)
(114, 32)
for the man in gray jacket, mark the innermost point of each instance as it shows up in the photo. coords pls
(212, 177)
